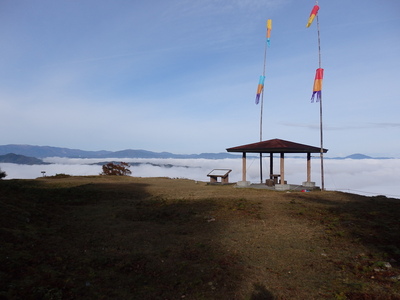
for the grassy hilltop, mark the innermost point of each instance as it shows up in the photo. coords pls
(105, 237)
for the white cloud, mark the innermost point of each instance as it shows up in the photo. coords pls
(367, 177)
(15, 171)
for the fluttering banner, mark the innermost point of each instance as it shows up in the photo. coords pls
(317, 89)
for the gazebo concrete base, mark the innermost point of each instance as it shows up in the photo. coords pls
(309, 184)
(282, 187)
(277, 187)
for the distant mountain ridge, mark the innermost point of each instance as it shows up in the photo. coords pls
(358, 156)
(361, 156)
(48, 151)
(21, 159)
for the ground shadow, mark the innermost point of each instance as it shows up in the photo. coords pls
(261, 293)
(110, 241)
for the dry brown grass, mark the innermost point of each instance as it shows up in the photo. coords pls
(157, 238)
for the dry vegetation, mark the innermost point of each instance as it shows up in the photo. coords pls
(157, 238)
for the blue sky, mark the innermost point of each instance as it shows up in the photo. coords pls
(181, 76)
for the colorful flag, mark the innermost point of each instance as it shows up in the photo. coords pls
(260, 88)
(269, 28)
(317, 89)
(312, 15)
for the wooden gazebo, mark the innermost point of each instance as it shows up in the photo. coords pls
(276, 146)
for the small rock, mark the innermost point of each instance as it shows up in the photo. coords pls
(378, 270)
(395, 278)
(387, 265)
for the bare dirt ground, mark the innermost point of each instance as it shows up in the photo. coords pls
(107, 237)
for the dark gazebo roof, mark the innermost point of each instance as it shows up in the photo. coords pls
(276, 146)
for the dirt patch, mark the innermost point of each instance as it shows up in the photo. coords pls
(158, 238)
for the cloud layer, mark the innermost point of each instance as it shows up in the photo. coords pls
(367, 177)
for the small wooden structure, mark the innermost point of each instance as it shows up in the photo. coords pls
(222, 173)
(273, 179)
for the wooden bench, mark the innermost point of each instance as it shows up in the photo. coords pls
(275, 178)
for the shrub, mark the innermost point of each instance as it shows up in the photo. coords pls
(119, 169)
(2, 174)
(59, 175)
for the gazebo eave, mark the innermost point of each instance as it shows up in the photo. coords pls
(275, 150)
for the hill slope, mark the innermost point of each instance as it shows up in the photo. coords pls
(21, 159)
(46, 151)
(158, 238)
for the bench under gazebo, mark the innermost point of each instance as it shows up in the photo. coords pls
(276, 146)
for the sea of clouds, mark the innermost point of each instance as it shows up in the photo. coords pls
(367, 176)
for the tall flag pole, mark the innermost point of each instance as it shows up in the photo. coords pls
(260, 87)
(317, 88)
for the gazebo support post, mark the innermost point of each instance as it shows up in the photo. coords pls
(271, 165)
(261, 169)
(244, 182)
(282, 186)
(244, 166)
(282, 165)
(309, 183)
